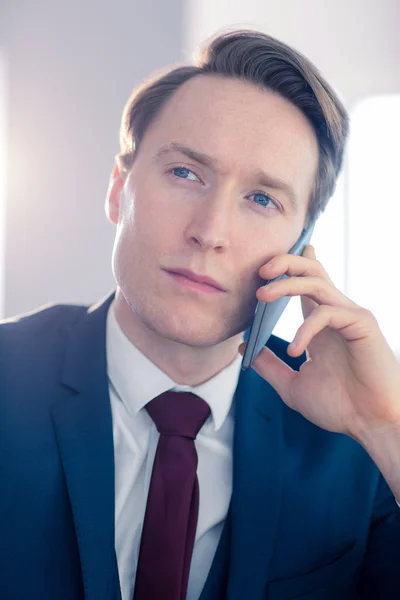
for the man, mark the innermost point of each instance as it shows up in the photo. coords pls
(285, 485)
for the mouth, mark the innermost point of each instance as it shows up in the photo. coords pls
(194, 281)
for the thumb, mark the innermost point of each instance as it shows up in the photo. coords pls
(275, 371)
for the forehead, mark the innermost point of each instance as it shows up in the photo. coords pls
(241, 124)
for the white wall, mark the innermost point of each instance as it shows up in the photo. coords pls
(3, 169)
(356, 44)
(71, 68)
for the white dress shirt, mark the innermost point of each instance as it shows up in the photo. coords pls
(133, 381)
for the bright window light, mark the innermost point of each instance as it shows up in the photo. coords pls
(374, 211)
(2, 177)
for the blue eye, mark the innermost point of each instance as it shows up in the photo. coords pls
(262, 199)
(184, 173)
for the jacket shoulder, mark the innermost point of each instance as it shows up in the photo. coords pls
(32, 329)
(32, 344)
(43, 315)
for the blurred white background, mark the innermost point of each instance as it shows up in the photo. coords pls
(66, 70)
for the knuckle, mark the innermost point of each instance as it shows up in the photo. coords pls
(320, 271)
(367, 315)
(318, 266)
(321, 288)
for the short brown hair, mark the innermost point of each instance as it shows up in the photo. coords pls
(265, 61)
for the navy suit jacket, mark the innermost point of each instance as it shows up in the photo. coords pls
(310, 517)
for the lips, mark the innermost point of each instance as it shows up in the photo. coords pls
(198, 278)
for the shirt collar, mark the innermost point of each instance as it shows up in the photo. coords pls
(137, 380)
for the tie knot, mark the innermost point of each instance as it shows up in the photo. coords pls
(178, 413)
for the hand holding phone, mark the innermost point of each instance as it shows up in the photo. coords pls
(267, 314)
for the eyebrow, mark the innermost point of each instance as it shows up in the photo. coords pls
(264, 179)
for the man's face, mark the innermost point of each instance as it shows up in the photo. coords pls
(219, 185)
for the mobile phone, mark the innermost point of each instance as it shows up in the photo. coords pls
(267, 314)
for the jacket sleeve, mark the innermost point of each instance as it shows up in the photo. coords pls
(380, 573)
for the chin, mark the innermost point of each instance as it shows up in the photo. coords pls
(191, 331)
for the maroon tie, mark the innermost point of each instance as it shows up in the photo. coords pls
(170, 521)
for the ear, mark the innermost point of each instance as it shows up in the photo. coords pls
(117, 180)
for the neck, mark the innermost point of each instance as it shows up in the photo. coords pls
(185, 364)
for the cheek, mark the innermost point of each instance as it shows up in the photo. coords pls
(276, 239)
(143, 238)
(140, 220)
(255, 253)
(155, 216)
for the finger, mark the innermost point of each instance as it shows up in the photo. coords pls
(294, 266)
(352, 324)
(309, 252)
(275, 371)
(317, 289)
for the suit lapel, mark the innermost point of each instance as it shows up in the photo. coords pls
(216, 582)
(83, 425)
(257, 485)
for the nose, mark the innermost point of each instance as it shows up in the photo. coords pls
(210, 223)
